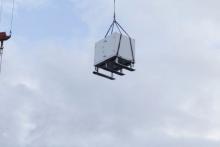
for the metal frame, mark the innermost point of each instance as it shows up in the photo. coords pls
(115, 65)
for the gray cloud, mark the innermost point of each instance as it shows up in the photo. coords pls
(49, 98)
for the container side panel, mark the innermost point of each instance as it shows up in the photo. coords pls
(125, 49)
(106, 48)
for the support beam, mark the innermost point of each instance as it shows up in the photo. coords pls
(115, 72)
(124, 67)
(103, 75)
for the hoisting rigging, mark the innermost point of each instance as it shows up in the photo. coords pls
(115, 52)
(115, 23)
(3, 35)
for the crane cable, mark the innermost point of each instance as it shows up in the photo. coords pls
(114, 11)
(1, 10)
(12, 16)
(12, 13)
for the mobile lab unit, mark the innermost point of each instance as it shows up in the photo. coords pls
(114, 53)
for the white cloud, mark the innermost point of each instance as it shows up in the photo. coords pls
(31, 3)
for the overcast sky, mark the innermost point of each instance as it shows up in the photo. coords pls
(50, 98)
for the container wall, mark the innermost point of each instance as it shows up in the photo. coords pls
(125, 51)
(108, 47)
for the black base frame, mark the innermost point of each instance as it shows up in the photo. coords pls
(114, 65)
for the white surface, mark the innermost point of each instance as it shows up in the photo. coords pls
(107, 48)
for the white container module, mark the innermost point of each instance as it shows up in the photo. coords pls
(113, 46)
(115, 52)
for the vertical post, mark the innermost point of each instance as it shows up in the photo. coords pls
(1, 53)
(112, 75)
(12, 16)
